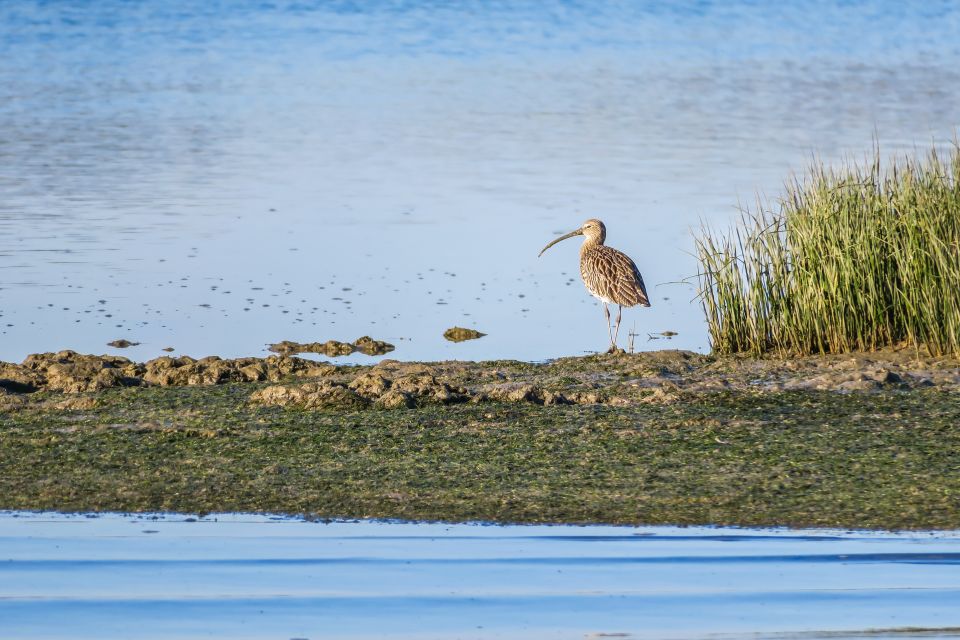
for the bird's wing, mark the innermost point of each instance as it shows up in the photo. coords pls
(625, 279)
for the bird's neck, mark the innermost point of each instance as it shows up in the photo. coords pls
(590, 243)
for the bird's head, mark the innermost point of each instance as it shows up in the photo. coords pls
(592, 229)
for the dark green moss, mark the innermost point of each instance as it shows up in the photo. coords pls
(889, 460)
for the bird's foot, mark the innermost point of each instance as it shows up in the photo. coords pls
(615, 350)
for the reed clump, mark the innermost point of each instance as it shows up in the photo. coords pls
(849, 259)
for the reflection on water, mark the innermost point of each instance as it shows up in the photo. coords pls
(223, 175)
(244, 576)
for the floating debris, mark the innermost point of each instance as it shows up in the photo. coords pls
(663, 334)
(122, 344)
(334, 348)
(459, 334)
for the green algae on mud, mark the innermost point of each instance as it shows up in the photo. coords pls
(882, 459)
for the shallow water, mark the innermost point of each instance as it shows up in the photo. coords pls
(218, 176)
(246, 576)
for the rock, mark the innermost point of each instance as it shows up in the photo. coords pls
(122, 344)
(425, 388)
(846, 381)
(79, 379)
(71, 372)
(312, 395)
(213, 371)
(585, 397)
(14, 377)
(555, 397)
(514, 392)
(459, 334)
(396, 400)
(278, 395)
(288, 346)
(395, 368)
(253, 372)
(185, 371)
(279, 367)
(334, 348)
(523, 393)
(886, 376)
(590, 380)
(370, 384)
(372, 347)
(161, 370)
(330, 348)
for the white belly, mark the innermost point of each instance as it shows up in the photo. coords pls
(600, 297)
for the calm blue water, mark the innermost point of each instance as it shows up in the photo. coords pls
(245, 576)
(214, 176)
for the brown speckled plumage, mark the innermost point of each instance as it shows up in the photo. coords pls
(609, 275)
(612, 276)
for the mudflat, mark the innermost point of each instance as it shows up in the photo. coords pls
(867, 440)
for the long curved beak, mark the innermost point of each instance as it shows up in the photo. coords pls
(578, 232)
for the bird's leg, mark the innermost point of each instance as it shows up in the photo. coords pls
(606, 312)
(613, 338)
(616, 330)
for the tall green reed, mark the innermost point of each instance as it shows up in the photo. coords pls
(855, 258)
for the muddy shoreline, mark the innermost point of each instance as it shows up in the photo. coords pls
(625, 379)
(668, 437)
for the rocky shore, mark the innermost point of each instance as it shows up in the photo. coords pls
(620, 380)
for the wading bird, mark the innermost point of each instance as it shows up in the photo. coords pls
(609, 275)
